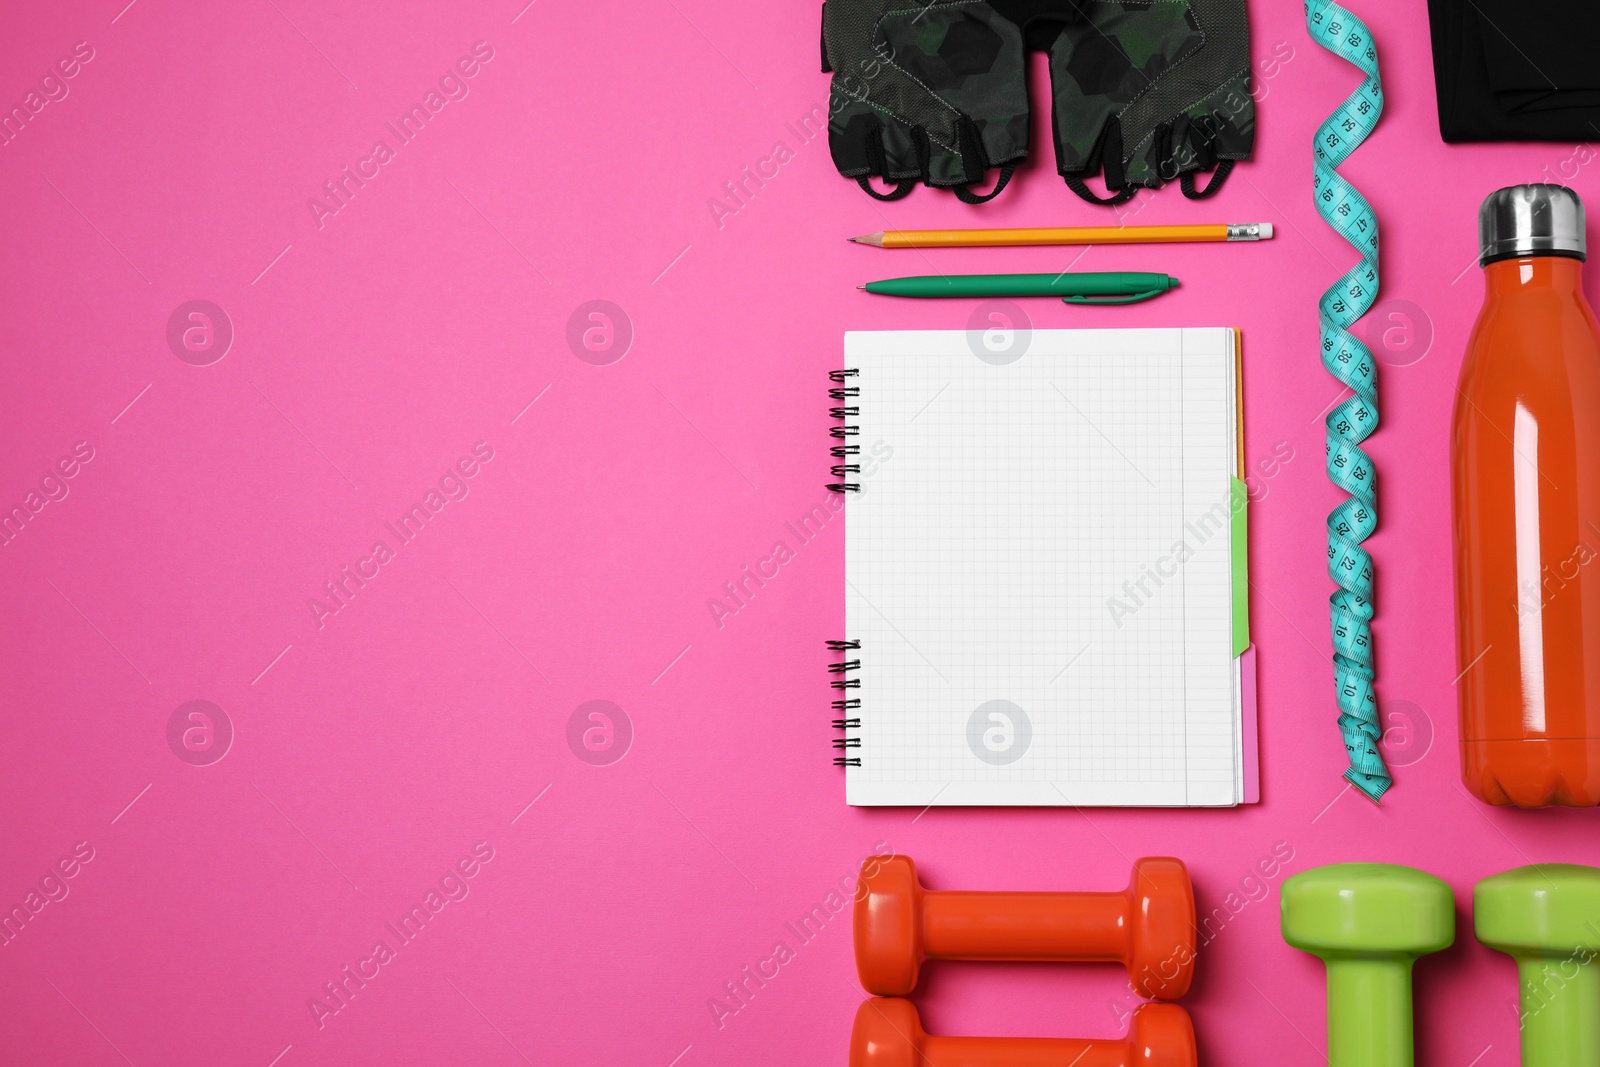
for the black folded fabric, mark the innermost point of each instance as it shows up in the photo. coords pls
(1517, 70)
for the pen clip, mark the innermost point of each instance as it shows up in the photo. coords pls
(1131, 299)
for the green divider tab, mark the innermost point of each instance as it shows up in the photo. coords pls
(1239, 498)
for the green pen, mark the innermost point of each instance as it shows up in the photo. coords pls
(1105, 287)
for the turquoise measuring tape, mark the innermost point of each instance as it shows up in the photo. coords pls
(1354, 419)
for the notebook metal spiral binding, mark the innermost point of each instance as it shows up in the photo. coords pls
(843, 448)
(845, 703)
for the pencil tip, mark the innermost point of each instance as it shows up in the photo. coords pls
(852, 240)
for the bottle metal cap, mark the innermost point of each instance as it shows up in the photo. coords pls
(1530, 220)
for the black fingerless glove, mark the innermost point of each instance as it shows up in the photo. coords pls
(928, 93)
(1144, 91)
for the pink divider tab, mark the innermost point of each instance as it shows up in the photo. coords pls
(1247, 702)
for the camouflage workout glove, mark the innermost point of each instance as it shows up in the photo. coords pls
(1144, 91)
(929, 93)
(1151, 91)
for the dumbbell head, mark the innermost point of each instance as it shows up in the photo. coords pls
(888, 1033)
(1545, 918)
(1368, 922)
(1161, 1035)
(1161, 947)
(1551, 909)
(1367, 909)
(888, 925)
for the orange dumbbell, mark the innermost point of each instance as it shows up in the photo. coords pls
(1149, 926)
(888, 1033)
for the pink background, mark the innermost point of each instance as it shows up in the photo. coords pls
(372, 351)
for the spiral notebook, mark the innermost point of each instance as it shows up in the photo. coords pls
(1045, 592)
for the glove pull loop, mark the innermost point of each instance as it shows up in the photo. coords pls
(1218, 176)
(901, 189)
(965, 194)
(975, 161)
(1076, 185)
(877, 160)
(1106, 160)
(1206, 154)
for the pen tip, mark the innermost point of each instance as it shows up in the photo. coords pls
(1172, 282)
(860, 287)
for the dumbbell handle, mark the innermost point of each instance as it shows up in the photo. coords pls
(1024, 1052)
(1560, 1014)
(1369, 1012)
(1025, 926)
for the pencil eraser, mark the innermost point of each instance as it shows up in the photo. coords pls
(1266, 230)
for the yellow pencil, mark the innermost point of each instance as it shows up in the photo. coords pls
(1071, 235)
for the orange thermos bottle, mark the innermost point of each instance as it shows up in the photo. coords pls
(1525, 458)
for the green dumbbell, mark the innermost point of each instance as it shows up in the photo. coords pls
(1368, 922)
(1548, 919)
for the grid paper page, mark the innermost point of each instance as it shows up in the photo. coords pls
(1038, 568)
